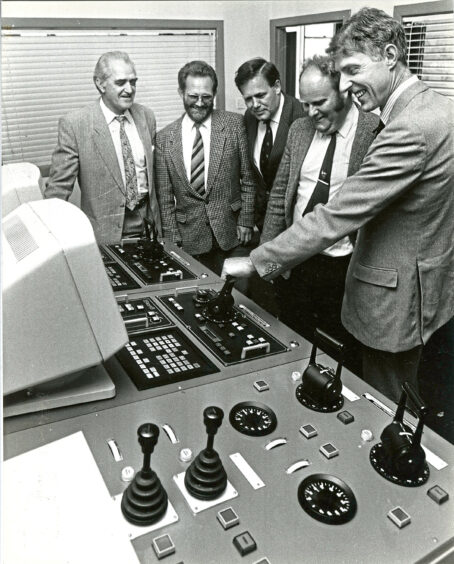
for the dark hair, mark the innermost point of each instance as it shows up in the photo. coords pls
(369, 31)
(196, 68)
(103, 70)
(326, 67)
(254, 67)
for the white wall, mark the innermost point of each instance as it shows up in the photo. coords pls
(246, 23)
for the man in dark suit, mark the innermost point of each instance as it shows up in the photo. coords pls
(399, 288)
(204, 180)
(267, 106)
(312, 295)
(107, 147)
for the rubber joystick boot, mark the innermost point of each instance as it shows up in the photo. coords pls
(206, 478)
(145, 500)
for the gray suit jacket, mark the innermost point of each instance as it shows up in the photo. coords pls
(291, 110)
(85, 151)
(279, 215)
(400, 282)
(189, 218)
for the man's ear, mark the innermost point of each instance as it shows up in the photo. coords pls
(99, 85)
(181, 93)
(391, 55)
(278, 86)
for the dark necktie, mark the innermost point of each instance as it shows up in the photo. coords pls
(132, 192)
(321, 191)
(265, 152)
(379, 127)
(198, 162)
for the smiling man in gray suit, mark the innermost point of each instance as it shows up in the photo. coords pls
(107, 147)
(399, 287)
(312, 295)
(203, 176)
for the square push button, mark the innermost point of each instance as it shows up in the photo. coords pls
(438, 494)
(346, 417)
(261, 386)
(228, 518)
(163, 546)
(244, 543)
(329, 450)
(308, 431)
(399, 517)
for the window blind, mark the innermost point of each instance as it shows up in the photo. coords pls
(431, 50)
(47, 74)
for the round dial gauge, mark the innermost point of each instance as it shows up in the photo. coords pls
(327, 499)
(253, 418)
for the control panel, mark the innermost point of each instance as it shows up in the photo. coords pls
(242, 472)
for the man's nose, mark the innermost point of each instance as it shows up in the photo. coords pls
(199, 101)
(344, 83)
(255, 103)
(312, 111)
(129, 87)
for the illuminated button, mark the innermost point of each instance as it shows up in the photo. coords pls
(399, 517)
(296, 376)
(367, 435)
(308, 431)
(438, 494)
(329, 450)
(163, 546)
(127, 474)
(228, 518)
(244, 543)
(346, 417)
(185, 454)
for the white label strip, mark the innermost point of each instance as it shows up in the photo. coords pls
(433, 459)
(244, 467)
(347, 393)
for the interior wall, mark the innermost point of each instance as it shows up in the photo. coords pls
(246, 23)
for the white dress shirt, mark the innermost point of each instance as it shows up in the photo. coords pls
(386, 112)
(261, 130)
(188, 131)
(135, 142)
(311, 169)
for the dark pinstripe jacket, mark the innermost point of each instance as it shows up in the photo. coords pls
(190, 218)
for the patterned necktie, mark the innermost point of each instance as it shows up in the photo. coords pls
(265, 152)
(379, 127)
(198, 162)
(321, 191)
(132, 192)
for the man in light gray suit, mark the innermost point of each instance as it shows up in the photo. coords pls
(399, 286)
(311, 297)
(204, 179)
(107, 147)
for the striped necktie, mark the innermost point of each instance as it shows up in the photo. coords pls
(198, 163)
(132, 192)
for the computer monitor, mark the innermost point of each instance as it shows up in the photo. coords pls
(60, 317)
(21, 183)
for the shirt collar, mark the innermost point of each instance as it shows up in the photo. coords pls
(277, 116)
(349, 121)
(384, 116)
(110, 115)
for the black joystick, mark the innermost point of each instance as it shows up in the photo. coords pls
(220, 308)
(321, 387)
(399, 457)
(145, 500)
(148, 247)
(206, 478)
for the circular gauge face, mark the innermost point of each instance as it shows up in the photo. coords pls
(327, 499)
(253, 418)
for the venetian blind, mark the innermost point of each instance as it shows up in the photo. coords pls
(47, 74)
(431, 50)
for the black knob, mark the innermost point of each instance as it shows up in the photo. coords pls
(212, 418)
(148, 434)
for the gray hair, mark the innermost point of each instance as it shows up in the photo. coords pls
(103, 66)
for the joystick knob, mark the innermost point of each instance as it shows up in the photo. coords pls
(145, 500)
(220, 308)
(206, 478)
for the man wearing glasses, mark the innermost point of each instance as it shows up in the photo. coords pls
(204, 182)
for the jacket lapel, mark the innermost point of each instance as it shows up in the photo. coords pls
(176, 152)
(281, 133)
(360, 146)
(299, 150)
(104, 145)
(217, 141)
(144, 135)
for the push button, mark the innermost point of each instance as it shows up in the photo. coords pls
(163, 546)
(438, 494)
(244, 543)
(346, 417)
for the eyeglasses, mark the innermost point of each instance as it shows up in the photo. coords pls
(205, 98)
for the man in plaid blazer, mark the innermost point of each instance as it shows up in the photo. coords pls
(212, 215)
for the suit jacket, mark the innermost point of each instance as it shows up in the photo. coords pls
(291, 110)
(85, 151)
(400, 282)
(279, 215)
(190, 218)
